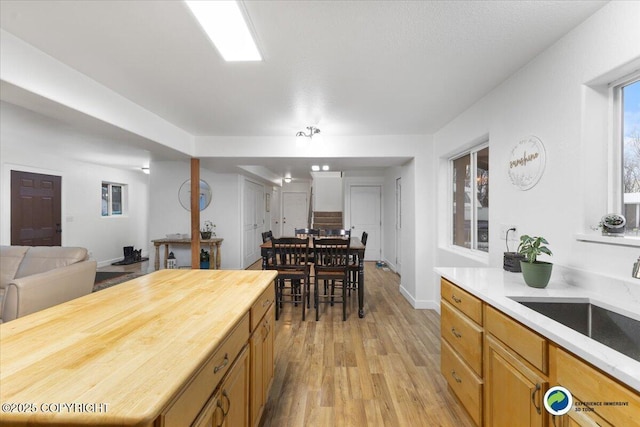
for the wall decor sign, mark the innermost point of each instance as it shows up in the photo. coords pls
(527, 162)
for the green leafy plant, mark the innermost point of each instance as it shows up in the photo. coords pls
(531, 247)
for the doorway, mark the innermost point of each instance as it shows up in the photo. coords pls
(365, 215)
(36, 209)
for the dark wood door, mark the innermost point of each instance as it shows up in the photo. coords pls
(35, 209)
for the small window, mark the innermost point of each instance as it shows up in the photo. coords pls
(470, 191)
(630, 138)
(112, 199)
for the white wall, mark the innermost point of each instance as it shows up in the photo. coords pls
(167, 216)
(327, 192)
(547, 98)
(82, 223)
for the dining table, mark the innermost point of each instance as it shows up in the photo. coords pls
(356, 250)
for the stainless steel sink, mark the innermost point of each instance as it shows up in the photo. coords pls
(612, 329)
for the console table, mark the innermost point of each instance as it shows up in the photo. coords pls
(213, 244)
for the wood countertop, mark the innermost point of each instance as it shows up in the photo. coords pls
(119, 356)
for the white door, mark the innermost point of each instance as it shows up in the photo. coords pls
(365, 215)
(253, 221)
(275, 213)
(295, 209)
(398, 224)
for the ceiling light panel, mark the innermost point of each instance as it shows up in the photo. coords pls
(227, 28)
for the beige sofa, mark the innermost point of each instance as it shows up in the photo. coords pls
(33, 278)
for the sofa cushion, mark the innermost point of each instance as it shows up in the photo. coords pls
(10, 259)
(44, 258)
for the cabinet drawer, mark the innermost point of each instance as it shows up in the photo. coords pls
(195, 395)
(528, 344)
(464, 383)
(462, 300)
(261, 306)
(588, 384)
(464, 336)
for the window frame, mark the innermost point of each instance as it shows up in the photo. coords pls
(615, 196)
(473, 164)
(111, 212)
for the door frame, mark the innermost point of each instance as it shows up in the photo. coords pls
(5, 191)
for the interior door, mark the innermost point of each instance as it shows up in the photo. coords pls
(365, 215)
(253, 221)
(35, 209)
(294, 212)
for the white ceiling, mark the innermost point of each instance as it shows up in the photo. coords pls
(349, 67)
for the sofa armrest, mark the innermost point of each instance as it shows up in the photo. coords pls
(33, 293)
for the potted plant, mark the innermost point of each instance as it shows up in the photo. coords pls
(536, 273)
(207, 231)
(612, 225)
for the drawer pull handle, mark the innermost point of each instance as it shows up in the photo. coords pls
(225, 362)
(455, 377)
(533, 397)
(266, 302)
(457, 300)
(456, 333)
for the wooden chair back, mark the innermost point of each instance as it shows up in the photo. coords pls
(266, 236)
(290, 252)
(332, 254)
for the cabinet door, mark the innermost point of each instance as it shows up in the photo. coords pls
(513, 392)
(234, 393)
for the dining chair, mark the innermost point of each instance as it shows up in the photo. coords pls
(290, 259)
(267, 236)
(331, 270)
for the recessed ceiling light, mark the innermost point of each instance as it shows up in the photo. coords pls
(315, 168)
(325, 167)
(226, 27)
(287, 179)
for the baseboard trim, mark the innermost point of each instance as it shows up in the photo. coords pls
(419, 304)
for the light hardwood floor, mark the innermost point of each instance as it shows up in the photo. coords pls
(382, 370)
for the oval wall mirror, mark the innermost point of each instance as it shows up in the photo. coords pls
(184, 195)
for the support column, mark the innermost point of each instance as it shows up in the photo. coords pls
(195, 213)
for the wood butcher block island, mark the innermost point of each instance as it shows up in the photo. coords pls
(171, 348)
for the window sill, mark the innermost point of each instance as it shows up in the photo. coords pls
(475, 255)
(608, 240)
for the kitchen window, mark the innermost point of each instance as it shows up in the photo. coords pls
(627, 135)
(112, 199)
(470, 196)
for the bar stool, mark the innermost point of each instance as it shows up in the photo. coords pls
(331, 269)
(290, 259)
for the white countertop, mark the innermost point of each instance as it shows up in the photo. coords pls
(495, 286)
